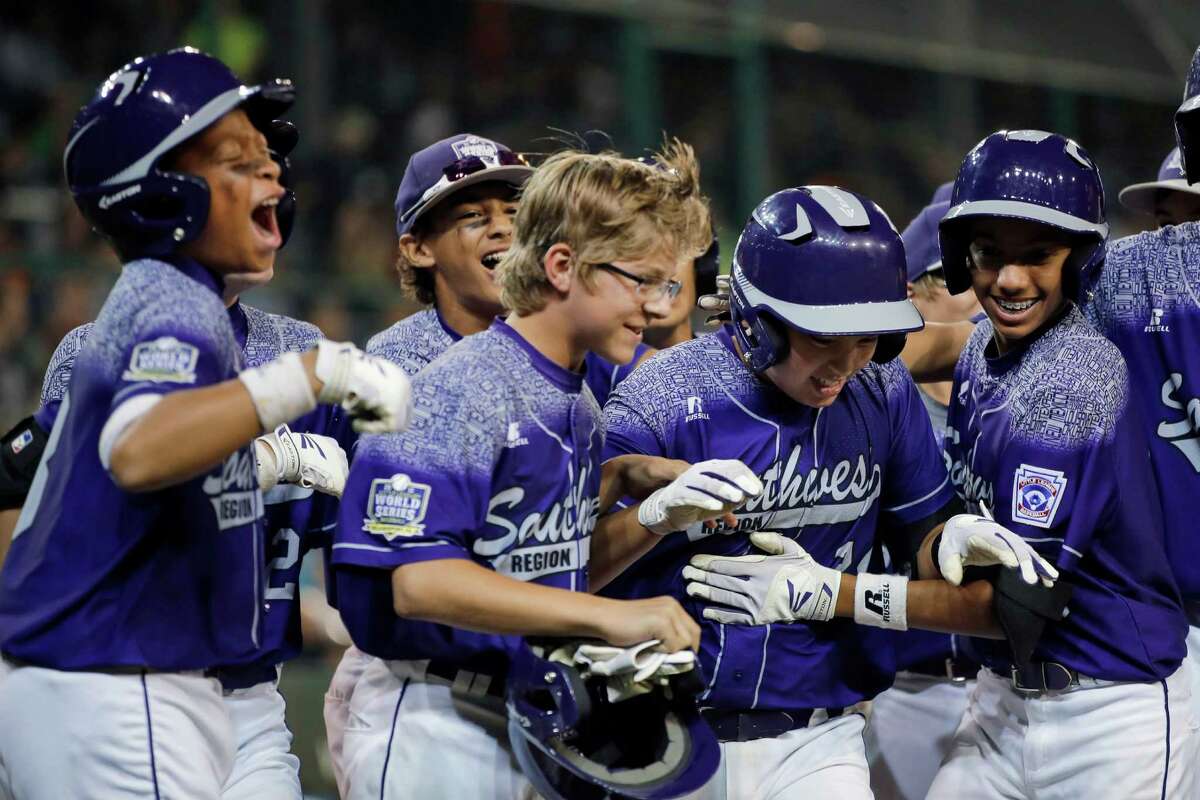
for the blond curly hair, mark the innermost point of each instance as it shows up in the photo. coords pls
(606, 208)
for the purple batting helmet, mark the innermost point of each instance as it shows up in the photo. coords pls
(142, 112)
(1187, 122)
(1029, 175)
(823, 261)
(574, 742)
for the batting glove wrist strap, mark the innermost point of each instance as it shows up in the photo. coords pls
(280, 390)
(881, 601)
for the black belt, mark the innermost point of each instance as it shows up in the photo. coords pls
(456, 676)
(746, 726)
(1050, 676)
(243, 677)
(956, 668)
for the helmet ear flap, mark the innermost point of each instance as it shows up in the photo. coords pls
(888, 347)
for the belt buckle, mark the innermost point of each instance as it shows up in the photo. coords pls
(1020, 688)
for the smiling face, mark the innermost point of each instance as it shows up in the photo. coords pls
(816, 368)
(1017, 274)
(610, 312)
(241, 235)
(462, 240)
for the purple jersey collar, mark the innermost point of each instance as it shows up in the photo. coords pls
(561, 377)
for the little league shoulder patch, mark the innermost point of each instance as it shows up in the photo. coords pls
(164, 360)
(1036, 495)
(396, 506)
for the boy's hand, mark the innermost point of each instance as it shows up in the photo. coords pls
(374, 391)
(705, 491)
(628, 622)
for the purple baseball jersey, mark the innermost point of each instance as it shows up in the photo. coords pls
(1146, 300)
(416, 340)
(173, 579)
(832, 476)
(1046, 437)
(297, 519)
(500, 466)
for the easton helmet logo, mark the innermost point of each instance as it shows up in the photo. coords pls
(110, 200)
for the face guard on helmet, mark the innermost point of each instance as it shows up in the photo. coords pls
(588, 722)
(823, 261)
(1034, 176)
(142, 112)
(1187, 122)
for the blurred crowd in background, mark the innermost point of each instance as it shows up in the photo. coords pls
(764, 104)
(375, 84)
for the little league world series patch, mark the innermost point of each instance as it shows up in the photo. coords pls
(1036, 495)
(396, 506)
(164, 360)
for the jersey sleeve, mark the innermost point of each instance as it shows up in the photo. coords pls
(1051, 487)
(167, 353)
(422, 494)
(915, 482)
(628, 429)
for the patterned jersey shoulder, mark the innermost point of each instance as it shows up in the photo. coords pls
(461, 404)
(1069, 388)
(58, 373)
(658, 391)
(413, 342)
(153, 296)
(887, 380)
(269, 336)
(1150, 271)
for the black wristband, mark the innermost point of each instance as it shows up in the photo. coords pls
(933, 554)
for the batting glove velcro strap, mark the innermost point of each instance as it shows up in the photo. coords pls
(881, 601)
(705, 491)
(308, 459)
(969, 540)
(280, 390)
(785, 585)
(373, 390)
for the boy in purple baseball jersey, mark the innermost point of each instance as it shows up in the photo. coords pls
(110, 619)
(804, 388)
(1044, 432)
(479, 524)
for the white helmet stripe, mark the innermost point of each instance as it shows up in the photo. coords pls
(868, 319)
(209, 113)
(1029, 211)
(845, 208)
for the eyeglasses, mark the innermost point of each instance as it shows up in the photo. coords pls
(650, 289)
(457, 170)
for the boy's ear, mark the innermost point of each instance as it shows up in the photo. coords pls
(559, 263)
(415, 251)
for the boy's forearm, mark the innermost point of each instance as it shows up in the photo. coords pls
(462, 594)
(618, 541)
(932, 353)
(183, 435)
(935, 605)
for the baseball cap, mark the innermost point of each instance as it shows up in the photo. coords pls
(449, 166)
(1140, 196)
(922, 252)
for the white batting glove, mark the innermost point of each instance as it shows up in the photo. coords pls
(969, 540)
(716, 304)
(373, 390)
(784, 586)
(308, 459)
(706, 490)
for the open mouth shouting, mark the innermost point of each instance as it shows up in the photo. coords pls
(491, 260)
(266, 226)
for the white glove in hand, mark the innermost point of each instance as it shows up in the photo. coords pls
(373, 390)
(717, 304)
(784, 586)
(969, 540)
(308, 459)
(705, 491)
(632, 671)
